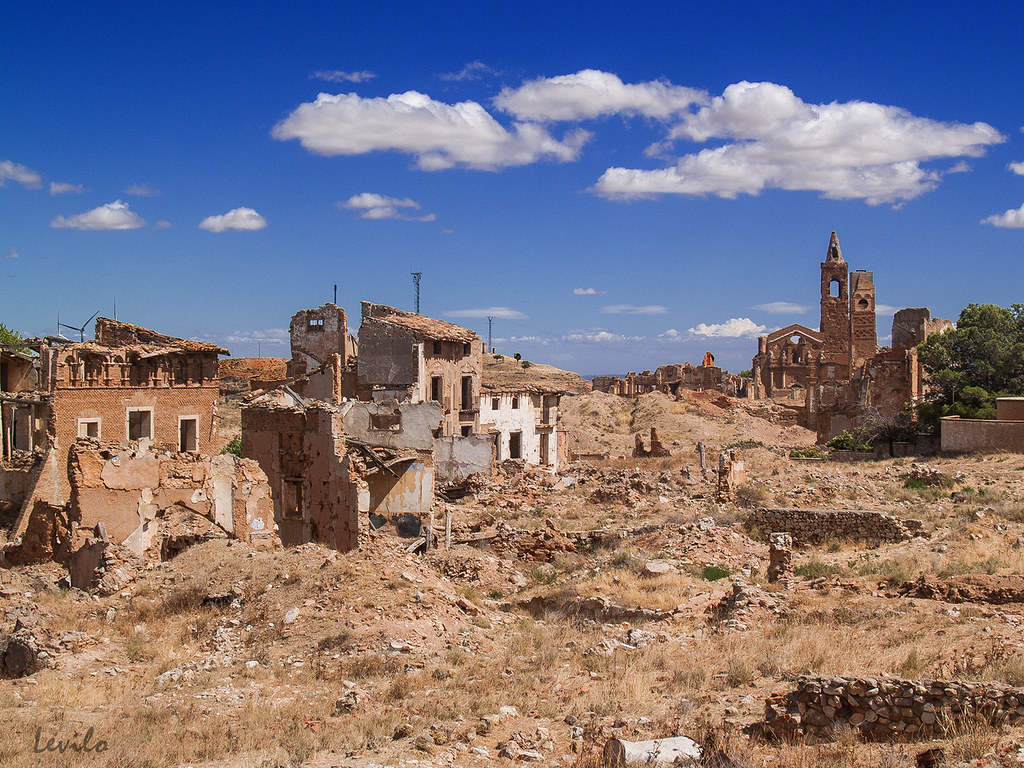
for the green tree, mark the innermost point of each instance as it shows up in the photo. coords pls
(9, 335)
(969, 366)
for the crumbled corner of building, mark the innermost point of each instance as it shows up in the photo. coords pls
(132, 503)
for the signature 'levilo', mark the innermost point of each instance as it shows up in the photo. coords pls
(55, 744)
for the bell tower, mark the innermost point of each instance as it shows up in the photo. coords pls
(863, 327)
(835, 305)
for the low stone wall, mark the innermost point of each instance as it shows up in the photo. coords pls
(886, 707)
(816, 526)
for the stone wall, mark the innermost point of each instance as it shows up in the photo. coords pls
(886, 707)
(816, 526)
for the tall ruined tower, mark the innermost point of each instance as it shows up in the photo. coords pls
(835, 305)
(863, 328)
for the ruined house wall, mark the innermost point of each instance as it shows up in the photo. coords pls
(814, 526)
(980, 435)
(456, 458)
(534, 416)
(16, 373)
(127, 489)
(392, 424)
(111, 405)
(15, 484)
(884, 708)
(319, 337)
(397, 364)
(314, 491)
(387, 358)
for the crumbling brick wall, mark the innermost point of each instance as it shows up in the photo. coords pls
(314, 486)
(884, 708)
(816, 526)
(126, 490)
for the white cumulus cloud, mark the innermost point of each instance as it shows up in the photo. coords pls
(588, 292)
(241, 219)
(341, 76)
(782, 308)
(499, 313)
(374, 206)
(734, 327)
(65, 187)
(19, 173)
(1017, 168)
(115, 215)
(1011, 219)
(162, 224)
(774, 140)
(632, 309)
(592, 93)
(438, 135)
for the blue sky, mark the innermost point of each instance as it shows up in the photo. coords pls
(620, 186)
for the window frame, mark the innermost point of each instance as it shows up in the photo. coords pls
(151, 410)
(97, 420)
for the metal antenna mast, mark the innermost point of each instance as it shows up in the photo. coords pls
(416, 276)
(490, 323)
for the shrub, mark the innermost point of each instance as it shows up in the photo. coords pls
(234, 447)
(713, 573)
(815, 569)
(857, 440)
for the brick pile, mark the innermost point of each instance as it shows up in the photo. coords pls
(885, 708)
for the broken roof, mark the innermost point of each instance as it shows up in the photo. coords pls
(506, 374)
(421, 325)
(114, 333)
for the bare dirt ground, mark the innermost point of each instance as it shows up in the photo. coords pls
(571, 608)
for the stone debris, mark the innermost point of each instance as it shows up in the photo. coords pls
(745, 604)
(780, 559)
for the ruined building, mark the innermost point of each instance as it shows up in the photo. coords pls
(837, 377)
(670, 379)
(129, 383)
(105, 456)
(323, 352)
(519, 404)
(405, 356)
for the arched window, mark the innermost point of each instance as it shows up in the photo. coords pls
(833, 288)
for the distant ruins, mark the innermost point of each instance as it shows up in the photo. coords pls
(837, 377)
(706, 377)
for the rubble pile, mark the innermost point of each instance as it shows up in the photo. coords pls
(971, 588)
(540, 545)
(886, 707)
(744, 605)
(923, 474)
